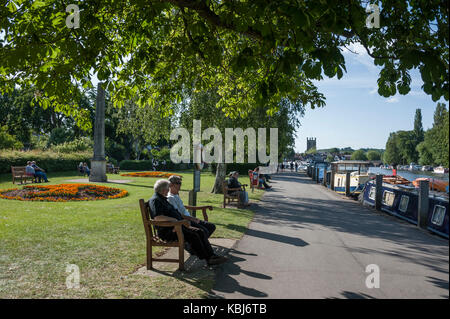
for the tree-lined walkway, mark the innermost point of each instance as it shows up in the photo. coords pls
(308, 242)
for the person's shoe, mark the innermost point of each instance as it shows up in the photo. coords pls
(216, 260)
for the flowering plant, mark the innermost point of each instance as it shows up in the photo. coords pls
(63, 193)
(149, 174)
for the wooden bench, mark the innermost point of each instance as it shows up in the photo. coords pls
(19, 172)
(112, 170)
(154, 240)
(80, 171)
(231, 197)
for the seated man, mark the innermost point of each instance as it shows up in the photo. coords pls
(195, 237)
(29, 170)
(234, 183)
(86, 169)
(39, 172)
(174, 199)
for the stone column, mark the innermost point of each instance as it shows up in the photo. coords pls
(98, 162)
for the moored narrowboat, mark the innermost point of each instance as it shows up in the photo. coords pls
(402, 201)
(359, 175)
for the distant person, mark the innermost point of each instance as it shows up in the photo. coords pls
(29, 170)
(86, 169)
(80, 167)
(39, 172)
(234, 183)
(261, 179)
(296, 166)
(292, 166)
(394, 169)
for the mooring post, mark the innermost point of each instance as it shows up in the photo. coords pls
(378, 191)
(347, 184)
(424, 193)
(317, 174)
(332, 179)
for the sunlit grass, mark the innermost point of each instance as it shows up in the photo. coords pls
(105, 239)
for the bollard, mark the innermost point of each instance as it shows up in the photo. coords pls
(193, 201)
(332, 179)
(347, 183)
(378, 192)
(317, 174)
(313, 173)
(424, 200)
(324, 182)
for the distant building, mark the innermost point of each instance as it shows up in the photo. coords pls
(310, 143)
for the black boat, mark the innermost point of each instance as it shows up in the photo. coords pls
(402, 201)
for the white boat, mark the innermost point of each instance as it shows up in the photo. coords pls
(440, 170)
(359, 175)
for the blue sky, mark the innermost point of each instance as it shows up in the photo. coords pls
(355, 115)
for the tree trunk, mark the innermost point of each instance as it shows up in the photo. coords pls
(220, 177)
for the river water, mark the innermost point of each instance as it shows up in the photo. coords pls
(409, 175)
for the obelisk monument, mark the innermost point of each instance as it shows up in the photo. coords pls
(98, 162)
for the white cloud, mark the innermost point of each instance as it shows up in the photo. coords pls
(393, 99)
(373, 91)
(357, 53)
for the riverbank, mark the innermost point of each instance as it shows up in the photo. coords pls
(409, 175)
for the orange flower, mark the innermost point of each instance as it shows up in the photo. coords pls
(65, 192)
(149, 174)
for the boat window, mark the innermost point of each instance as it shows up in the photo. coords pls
(388, 198)
(404, 201)
(372, 193)
(438, 215)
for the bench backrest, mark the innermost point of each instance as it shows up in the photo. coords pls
(225, 187)
(146, 217)
(18, 170)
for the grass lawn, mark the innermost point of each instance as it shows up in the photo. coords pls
(105, 239)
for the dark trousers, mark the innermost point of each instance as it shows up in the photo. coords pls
(207, 227)
(197, 238)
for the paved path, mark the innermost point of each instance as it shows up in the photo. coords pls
(308, 242)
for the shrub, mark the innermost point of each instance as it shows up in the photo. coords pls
(242, 168)
(134, 165)
(8, 141)
(48, 160)
(82, 144)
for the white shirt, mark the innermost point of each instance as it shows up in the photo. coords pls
(176, 202)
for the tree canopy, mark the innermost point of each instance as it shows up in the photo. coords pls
(254, 53)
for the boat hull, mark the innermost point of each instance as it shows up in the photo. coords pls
(404, 204)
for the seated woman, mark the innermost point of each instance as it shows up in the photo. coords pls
(262, 180)
(197, 238)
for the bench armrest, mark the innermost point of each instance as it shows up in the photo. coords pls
(161, 223)
(202, 208)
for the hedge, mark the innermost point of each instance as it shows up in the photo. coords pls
(242, 168)
(134, 165)
(48, 160)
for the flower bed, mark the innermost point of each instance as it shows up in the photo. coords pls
(63, 193)
(149, 174)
